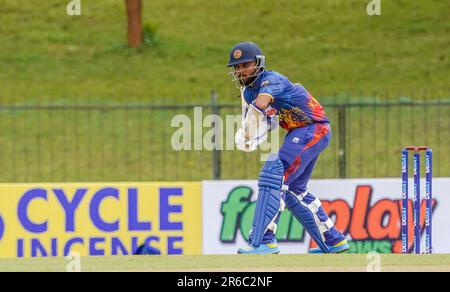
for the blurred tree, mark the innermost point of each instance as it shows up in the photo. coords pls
(135, 33)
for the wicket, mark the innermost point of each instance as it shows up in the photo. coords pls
(416, 199)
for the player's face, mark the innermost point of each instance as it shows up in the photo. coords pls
(245, 71)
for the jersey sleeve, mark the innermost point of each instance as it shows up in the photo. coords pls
(271, 86)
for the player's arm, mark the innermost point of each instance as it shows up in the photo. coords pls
(262, 101)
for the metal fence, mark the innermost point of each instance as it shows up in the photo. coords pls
(60, 143)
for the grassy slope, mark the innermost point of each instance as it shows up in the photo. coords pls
(270, 263)
(330, 46)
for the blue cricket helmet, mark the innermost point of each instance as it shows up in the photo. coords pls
(245, 52)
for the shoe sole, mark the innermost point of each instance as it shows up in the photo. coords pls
(335, 252)
(276, 252)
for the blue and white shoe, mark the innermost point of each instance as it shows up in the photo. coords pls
(265, 248)
(337, 248)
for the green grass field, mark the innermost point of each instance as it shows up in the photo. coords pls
(238, 263)
(333, 47)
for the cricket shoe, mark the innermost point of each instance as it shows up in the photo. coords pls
(337, 248)
(264, 248)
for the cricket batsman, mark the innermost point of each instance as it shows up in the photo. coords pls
(269, 99)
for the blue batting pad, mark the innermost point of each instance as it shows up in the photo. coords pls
(269, 198)
(306, 218)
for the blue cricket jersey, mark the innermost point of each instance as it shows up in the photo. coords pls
(293, 104)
